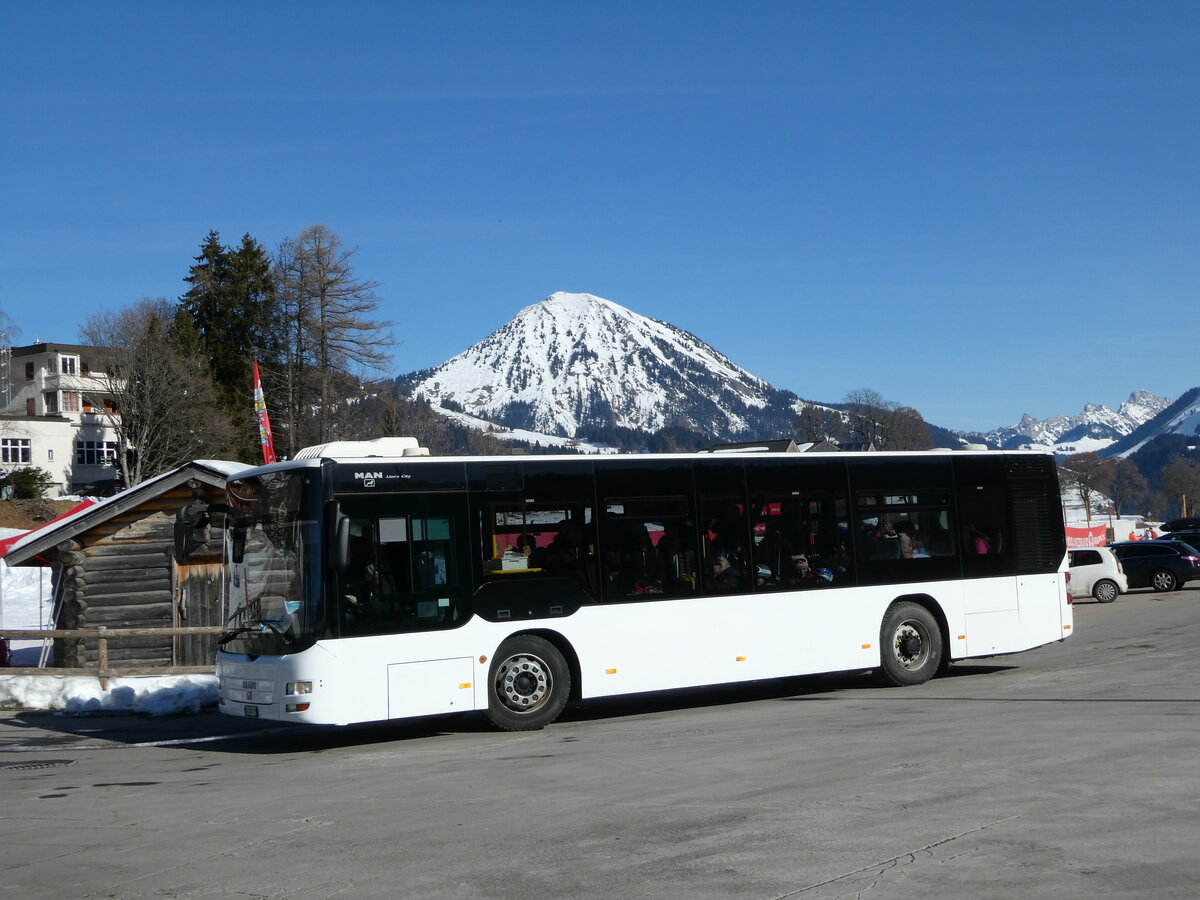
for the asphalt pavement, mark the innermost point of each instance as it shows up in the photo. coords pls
(1069, 771)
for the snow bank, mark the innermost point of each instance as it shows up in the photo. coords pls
(26, 596)
(163, 695)
(25, 602)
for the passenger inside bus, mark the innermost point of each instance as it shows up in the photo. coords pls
(565, 548)
(641, 566)
(723, 575)
(975, 542)
(678, 562)
(359, 602)
(526, 545)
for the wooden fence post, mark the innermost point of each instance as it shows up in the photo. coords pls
(103, 634)
(102, 650)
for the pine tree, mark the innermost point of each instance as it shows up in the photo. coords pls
(230, 315)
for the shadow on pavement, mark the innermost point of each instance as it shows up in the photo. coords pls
(36, 731)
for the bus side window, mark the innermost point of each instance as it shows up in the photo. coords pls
(395, 573)
(983, 516)
(796, 542)
(359, 583)
(431, 552)
(799, 513)
(402, 576)
(646, 552)
(724, 526)
(545, 531)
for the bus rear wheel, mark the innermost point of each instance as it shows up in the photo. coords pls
(528, 684)
(910, 644)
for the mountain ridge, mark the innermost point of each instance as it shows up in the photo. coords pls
(578, 361)
(1094, 429)
(576, 367)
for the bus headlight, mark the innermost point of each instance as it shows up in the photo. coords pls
(298, 687)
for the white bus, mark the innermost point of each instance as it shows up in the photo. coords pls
(381, 587)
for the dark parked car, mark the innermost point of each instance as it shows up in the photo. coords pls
(1162, 565)
(1188, 537)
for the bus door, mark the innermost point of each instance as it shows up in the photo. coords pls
(406, 567)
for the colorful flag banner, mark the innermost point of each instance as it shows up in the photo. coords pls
(264, 420)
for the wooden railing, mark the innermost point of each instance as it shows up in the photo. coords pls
(102, 634)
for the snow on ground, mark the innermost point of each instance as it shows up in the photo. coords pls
(26, 601)
(162, 695)
(520, 434)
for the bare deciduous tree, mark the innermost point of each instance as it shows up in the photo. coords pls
(905, 429)
(1087, 475)
(1181, 478)
(883, 424)
(1128, 483)
(332, 341)
(865, 410)
(818, 423)
(164, 413)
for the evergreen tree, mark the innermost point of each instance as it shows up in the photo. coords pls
(230, 316)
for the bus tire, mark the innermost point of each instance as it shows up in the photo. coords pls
(528, 684)
(910, 645)
(1105, 590)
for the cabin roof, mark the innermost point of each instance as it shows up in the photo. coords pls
(31, 549)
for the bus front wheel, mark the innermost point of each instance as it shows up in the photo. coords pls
(910, 644)
(528, 685)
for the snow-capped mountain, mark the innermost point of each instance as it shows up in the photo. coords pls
(1182, 417)
(577, 361)
(1093, 430)
(576, 368)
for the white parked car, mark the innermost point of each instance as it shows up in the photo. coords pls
(1096, 571)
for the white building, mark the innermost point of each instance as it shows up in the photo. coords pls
(59, 418)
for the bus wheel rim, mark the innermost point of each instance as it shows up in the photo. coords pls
(910, 645)
(523, 682)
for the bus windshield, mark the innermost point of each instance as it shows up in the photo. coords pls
(275, 564)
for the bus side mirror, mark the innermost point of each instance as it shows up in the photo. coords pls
(187, 520)
(237, 549)
(341, 547)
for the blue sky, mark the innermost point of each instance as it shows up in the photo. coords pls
(979, 209)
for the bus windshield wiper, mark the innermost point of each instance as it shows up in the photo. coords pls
(287, 638)
(228, 636)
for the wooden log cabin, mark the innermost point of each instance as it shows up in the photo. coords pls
(114, 565)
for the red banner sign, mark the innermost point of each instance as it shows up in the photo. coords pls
(1085, 536)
